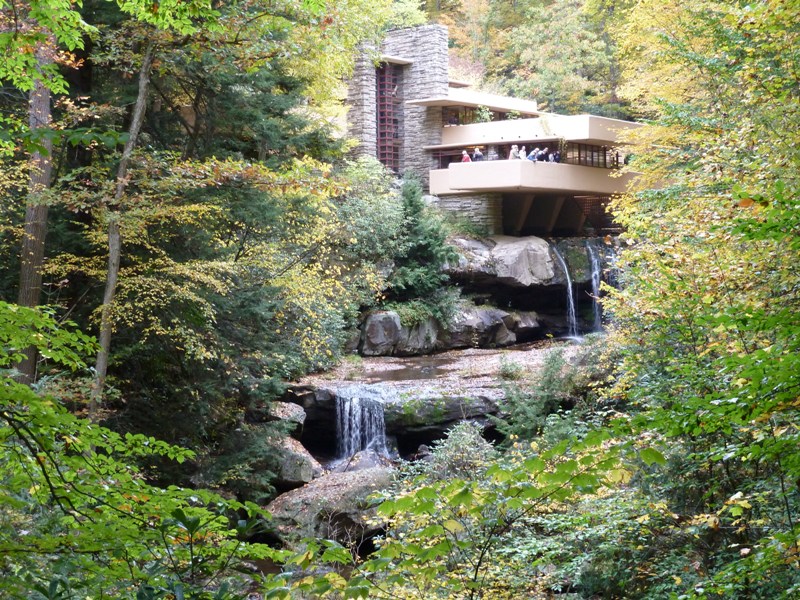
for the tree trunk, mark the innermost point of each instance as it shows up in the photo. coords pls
(33, 238)
(115, 235)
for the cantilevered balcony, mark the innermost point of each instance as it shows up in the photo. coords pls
(526, 176)
(588, 129)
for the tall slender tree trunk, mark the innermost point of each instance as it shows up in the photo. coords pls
(115, 235)
(33, 237)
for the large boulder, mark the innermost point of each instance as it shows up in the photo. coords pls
(335, 506)
(365, 459)
(296, 466)
(420, 338)
(290, 413)
(506, 260)
(478, 327)
(472, 327)
(427, 410)
(524, 323)
(269, 412)
(380, 333)
(575, 253)
(413, 414)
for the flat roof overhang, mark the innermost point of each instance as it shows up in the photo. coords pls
(457, 83)
(472, 99)
(498, 142)
(527, 176)
(531, 131)
(395, 60)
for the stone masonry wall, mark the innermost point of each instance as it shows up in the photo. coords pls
(426, 76)
(485, 210)
(361, 113)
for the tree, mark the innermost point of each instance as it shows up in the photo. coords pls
(235, 273)
(418, 275)
(29, 48)
(114, 234)
(27, 44)
(555, 56)
(33, 237)
(710, 358)
(77, 516)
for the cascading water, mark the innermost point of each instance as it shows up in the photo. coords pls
(594, 261)
(572, 319)
(359, 421)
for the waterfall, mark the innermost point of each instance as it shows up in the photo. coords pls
(572, 320)
(359, 421)
(594, 261)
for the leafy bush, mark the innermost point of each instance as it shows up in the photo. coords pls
(483, 114)
(463, 453)
(510, 369)
(561, 402)
(458, 225)
(78, 519)
(441, 306)
(525, 409)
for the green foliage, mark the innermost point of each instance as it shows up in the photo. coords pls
(405, 13)
(709, 357)
(483, 114)
(418, 271)
(78, 519)
(458, 225)
(21, 327)
(238, 277)
(441, 306)
(526, 410)
(464, 453)
(561, 54)
(370, 212)
(47, 24)
(510, 370)
(536, 64)
(454, 522)
(235, 113)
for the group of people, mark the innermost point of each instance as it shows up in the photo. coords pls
(536, 155)
(477, 155)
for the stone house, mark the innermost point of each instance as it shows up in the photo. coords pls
(404, 110)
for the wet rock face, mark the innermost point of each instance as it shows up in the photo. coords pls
(426, 415)
(319, 428)
(479, 328)
(422, 338)
(520, 288)
(412, 417)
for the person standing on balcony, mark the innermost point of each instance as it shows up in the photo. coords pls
(465, 157)
(514, 152)
(477, 155)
